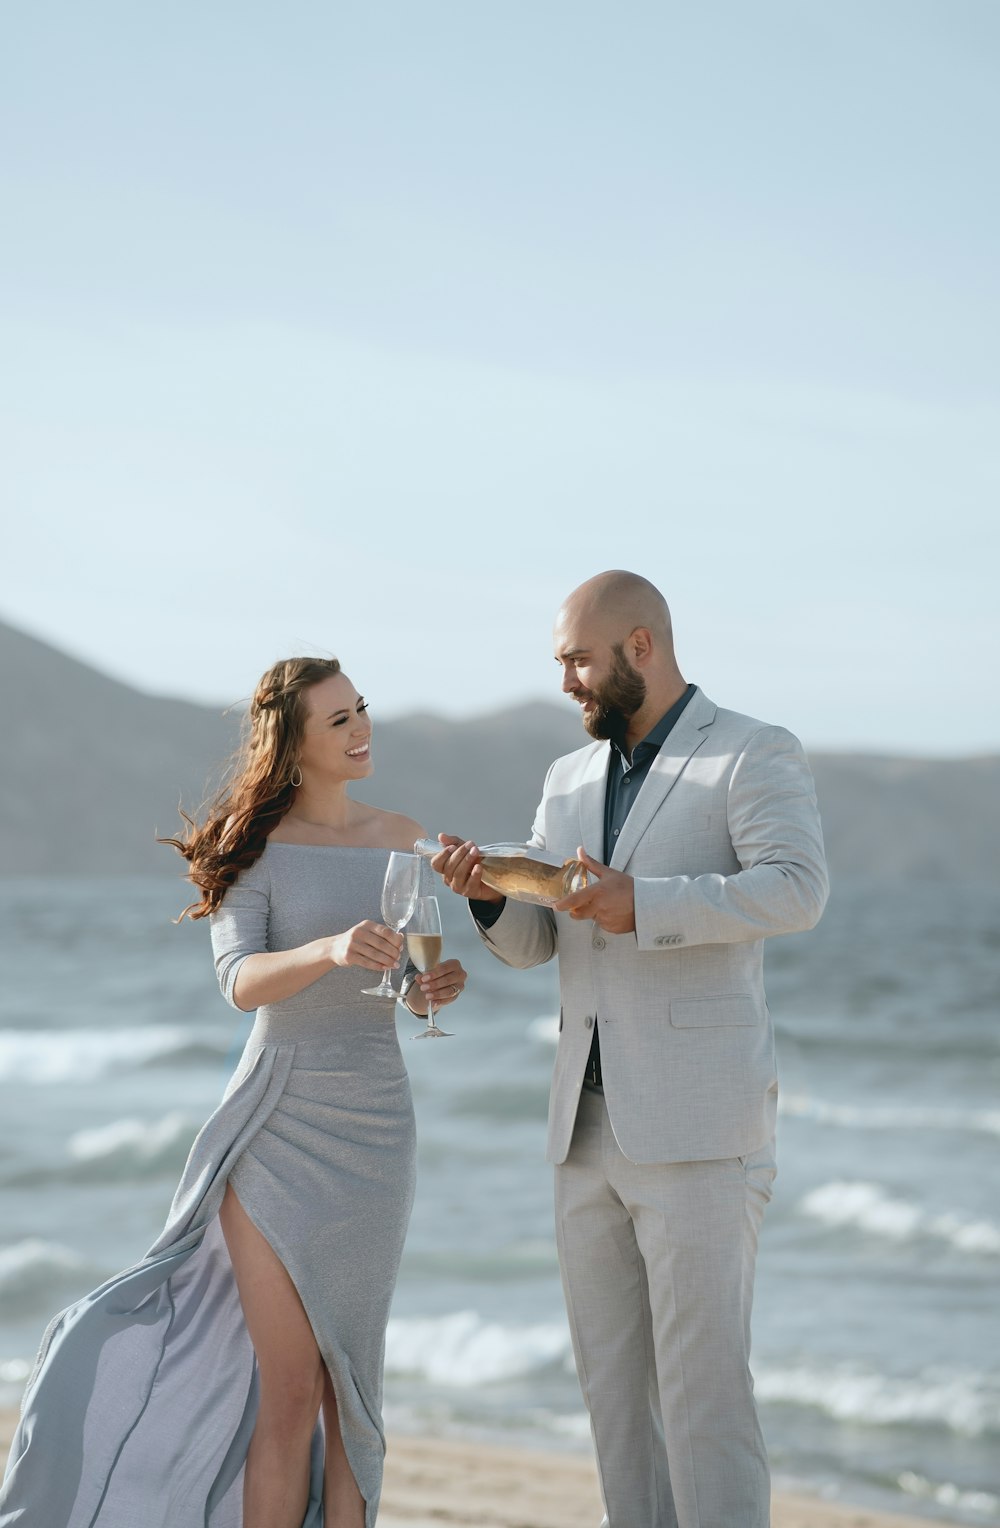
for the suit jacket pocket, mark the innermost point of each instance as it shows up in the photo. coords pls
(714, 1012)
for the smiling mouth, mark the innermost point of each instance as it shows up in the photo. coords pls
(359, 753)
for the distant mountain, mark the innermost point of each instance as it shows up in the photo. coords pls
(91, 770)
(910, 819)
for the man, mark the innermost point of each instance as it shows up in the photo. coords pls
(700, 831)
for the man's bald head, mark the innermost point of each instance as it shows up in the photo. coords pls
(614, 641)
(618, 602)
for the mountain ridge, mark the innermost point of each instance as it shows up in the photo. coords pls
(92, 770)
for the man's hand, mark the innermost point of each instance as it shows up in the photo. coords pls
(458, 866)
(609, 899)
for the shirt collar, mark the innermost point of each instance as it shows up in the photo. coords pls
(657, 735)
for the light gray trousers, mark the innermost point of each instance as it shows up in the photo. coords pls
(658, 1266)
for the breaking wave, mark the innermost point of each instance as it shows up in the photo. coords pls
(888, 1116)
(34, 1274)
(81, 1055)
(867, 1207)
(963, 1402)
(127, 1144)
(464, 1350)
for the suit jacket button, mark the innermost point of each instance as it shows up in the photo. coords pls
(598, 942)
(588, 1022)
(661, 939)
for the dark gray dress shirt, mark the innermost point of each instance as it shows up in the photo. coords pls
(625, 778)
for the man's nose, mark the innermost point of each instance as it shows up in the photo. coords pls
(569, 680)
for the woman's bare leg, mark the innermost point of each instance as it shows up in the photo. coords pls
(293, 1385)
(343, 1504)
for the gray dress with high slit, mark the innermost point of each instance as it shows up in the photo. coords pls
(143, 1397)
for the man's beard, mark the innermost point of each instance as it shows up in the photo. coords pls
(618, 698)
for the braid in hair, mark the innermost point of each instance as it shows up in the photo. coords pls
(260, 788)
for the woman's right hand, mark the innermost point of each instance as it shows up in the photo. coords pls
(367, 944)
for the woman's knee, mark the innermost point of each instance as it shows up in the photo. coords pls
(291, 1396)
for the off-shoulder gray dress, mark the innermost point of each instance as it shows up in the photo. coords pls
(142, 1401)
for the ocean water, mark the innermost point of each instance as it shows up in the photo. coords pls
(877, 1320)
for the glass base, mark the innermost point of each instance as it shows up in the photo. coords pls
(433, 1033)
(384, 989)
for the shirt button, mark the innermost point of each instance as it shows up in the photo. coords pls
(598, 942)
(617, 831)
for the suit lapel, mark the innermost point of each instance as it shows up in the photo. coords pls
(684, 740)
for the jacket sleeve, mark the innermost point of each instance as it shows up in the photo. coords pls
(781, 885)
(524, 934)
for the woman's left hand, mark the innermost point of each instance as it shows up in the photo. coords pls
(444, 983)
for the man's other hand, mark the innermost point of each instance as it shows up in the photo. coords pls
(609, 900)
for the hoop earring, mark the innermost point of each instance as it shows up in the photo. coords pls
(291, 778)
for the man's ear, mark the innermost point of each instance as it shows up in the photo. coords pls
(639, 645)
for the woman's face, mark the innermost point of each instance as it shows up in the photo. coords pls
(336, 739)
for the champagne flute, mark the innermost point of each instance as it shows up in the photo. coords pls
(399, 893)
(424, 944)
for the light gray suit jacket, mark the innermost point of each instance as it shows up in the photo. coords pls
(725, 845)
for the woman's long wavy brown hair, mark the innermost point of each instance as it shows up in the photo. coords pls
(259, 789)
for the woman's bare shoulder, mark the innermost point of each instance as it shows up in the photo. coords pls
(392, 830)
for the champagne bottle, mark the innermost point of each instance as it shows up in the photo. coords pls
(521, 871)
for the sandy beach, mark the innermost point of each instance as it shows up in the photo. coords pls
(441, 1483)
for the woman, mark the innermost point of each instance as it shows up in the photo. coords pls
(190, 1389)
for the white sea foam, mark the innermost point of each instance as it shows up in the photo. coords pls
(31, 1265)
(80, 1055)
(132, 1140)
(888, 1116)
(954, 1498)
(964, 1402)
(464, 1350)
(13, 1374)
(869, 1208)
(574, 1424)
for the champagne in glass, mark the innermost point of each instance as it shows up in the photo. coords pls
(399, 894)
(424, 945)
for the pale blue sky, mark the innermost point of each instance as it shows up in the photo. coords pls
(375, 329)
